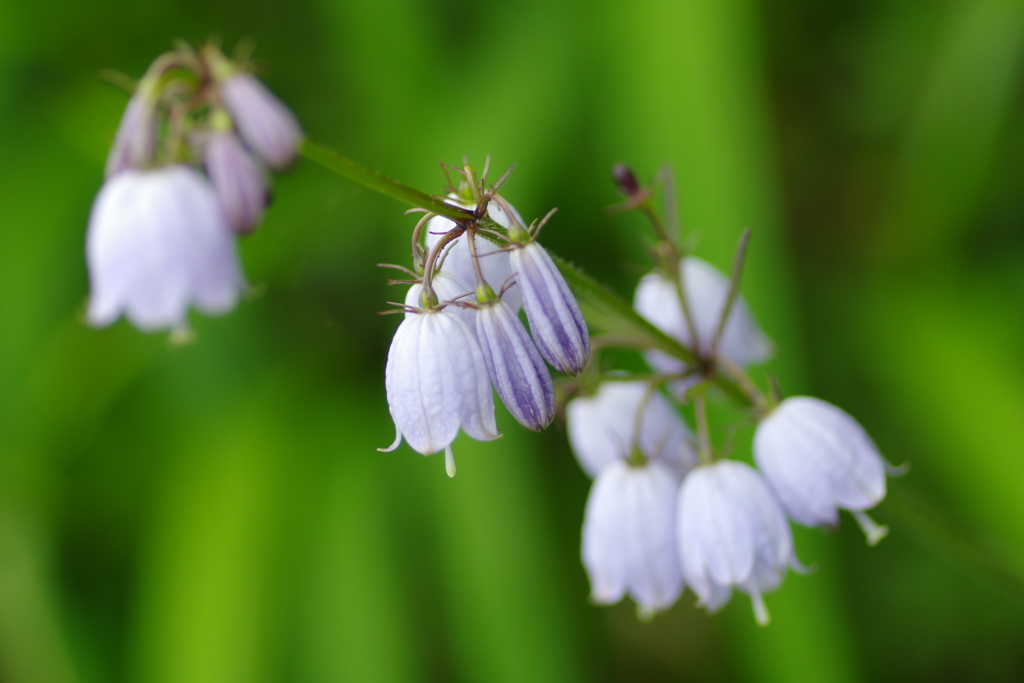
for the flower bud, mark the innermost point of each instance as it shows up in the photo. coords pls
(629, 535)
(623, 416)
(818, 459)
(135, 142)
(625, 180)
(732, 533)
(517, 371)
(239, 183)
(555, 319)
(157, 242)
(265, 124)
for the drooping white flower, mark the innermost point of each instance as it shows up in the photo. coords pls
(494, 262)
(436, 382)
(818, 459)
(238, 181)
(555, 319)
(706, 291)
(447, 287)
(629, 535)
(158, 242)
(135, 141)
(732, 533)
(268, 127)
(516, 369)
(623, 416)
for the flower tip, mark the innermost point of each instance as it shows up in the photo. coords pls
(449, 461)
(644, 614)
(395, 444)
(873, 531)
(761, 615)
(895, 470)
(182, 336)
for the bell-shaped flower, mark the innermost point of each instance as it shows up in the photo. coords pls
(706, 290)
(158, 242)
(732, 533)
(623, 417)
(447, 288)
(239, 182)
(266, 125)
(629, 535)
(556, 323)
(494, 261)
(135, 141)
(818, 459)
(516, 369)
(436, 382)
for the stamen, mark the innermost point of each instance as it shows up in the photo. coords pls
(449, 461)
(875, 532)
(761, 615)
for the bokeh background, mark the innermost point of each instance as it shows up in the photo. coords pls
(218, 512)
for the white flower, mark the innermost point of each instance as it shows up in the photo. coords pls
(519, 375)
(629, 535)
(622, 416)
(732, 533)
(556, 323)
(436, 382)
(238, 181)
(706, 291)
(447, 287)
(817, 459)
(266, 125)
(494, 262)
(157, 242)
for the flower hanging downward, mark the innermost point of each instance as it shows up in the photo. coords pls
(157, 242)
(732, 533)
(437, 382)
(629, 535)
(555, 319)
(817, 459)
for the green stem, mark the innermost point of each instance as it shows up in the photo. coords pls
(377, 182)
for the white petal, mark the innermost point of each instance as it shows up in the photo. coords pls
(465, 363)
(604, 527)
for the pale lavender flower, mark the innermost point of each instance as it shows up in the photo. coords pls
(623, 417)
(494, 261)
(517, 371)
(266, 125)
(436, 382)
(732, 533)
(135, 141)
(239, 182)
(447, 287)
(817, 459)
(157, 242)
(629, 535)
(706, 291)
(557, 325)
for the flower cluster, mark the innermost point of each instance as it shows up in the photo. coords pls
(665, 511)
(458, 339)
(186, 175)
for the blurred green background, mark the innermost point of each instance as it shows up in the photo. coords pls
(218, 512)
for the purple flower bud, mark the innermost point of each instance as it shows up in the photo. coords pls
(522, 380)
(817, 459)
(494, 262)
(732, 533)
(239, 183)
(135, 142)
(157, 242)
(629, 535)
(266, 125)
(621, 417)
(437, 382)
(555, 319)
(625, 179)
